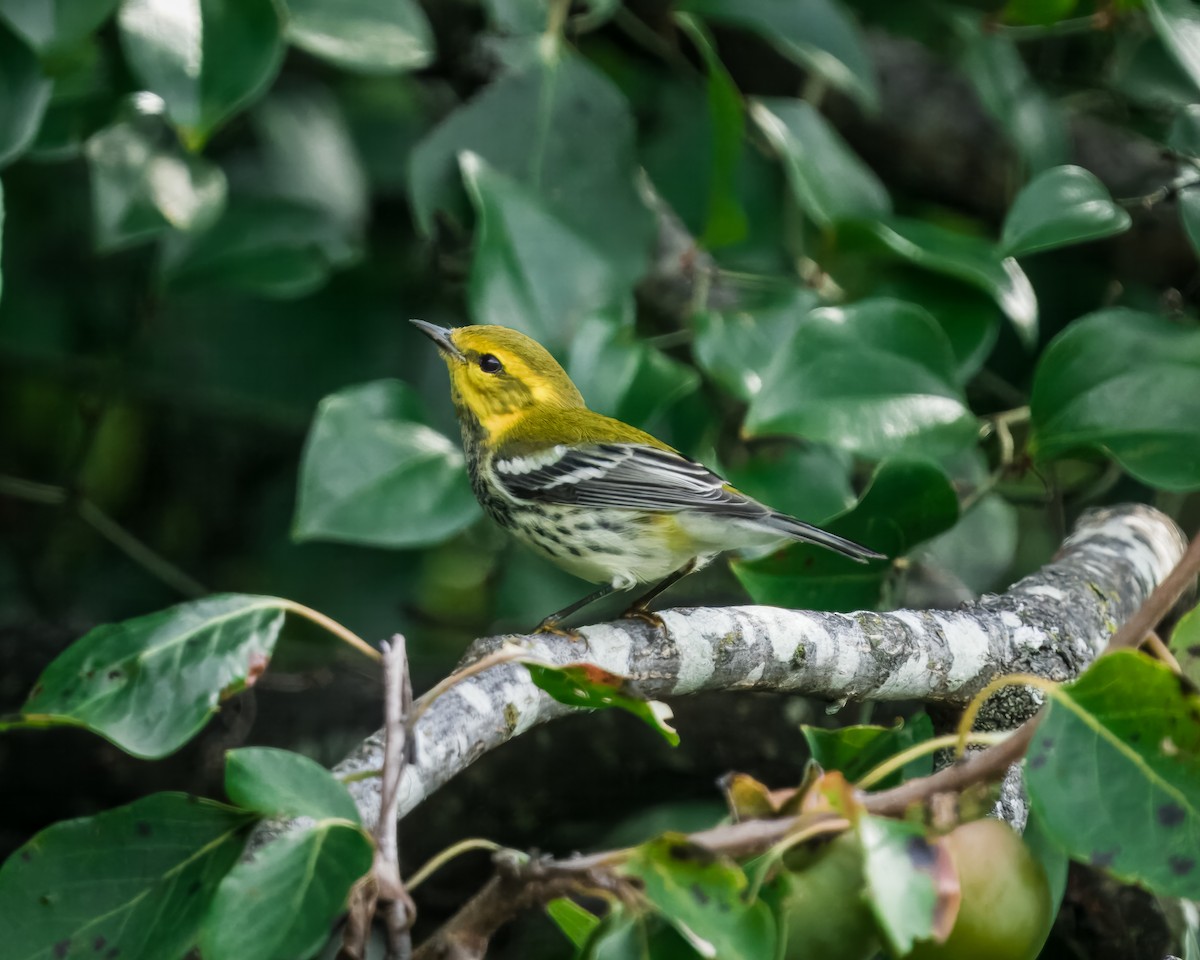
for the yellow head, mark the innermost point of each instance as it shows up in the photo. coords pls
(498, 376)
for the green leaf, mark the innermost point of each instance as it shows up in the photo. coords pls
(373, 473)
(25, 95)
(1033, 123)
(1037, 12)
(735, 347)
(1123, 382)
(143, 184)
(817, 34)
(626, 935)
(1062, 206)
(703, 896)
(620, 375)
(367, 36)
(906, 503)
(1130, 724)
(873, 378)
(280, 904)
(1177, 23)
(1, 234)
(133, 882)
(207, 59)
(559, 128)
(726, 220)
(586, 685)
(577, 924)
(828, 179)
(531, 270)
(151, 683)
(1143, 70)
(1052, 858)
(958, 255)
(51, 25)
(1185, 644)
(266, 247)
(1184, 134)
(280, 783)
(808, 481)
(857, 750)
(911, 883)
(979, 550)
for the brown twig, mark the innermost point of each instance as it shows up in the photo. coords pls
(384, 885)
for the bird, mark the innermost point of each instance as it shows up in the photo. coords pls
(601, 499)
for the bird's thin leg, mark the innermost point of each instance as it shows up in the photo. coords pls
(639, 608)
(551, 623)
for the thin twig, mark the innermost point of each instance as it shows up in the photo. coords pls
(1154, 643)
(440, 859)
(345, 634)
(505, 654)
(399, 909)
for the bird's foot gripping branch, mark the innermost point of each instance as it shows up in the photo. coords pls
(869, 820)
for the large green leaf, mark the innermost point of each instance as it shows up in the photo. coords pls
(1114, 772)
(817, 34)
(207, 59)
(1185, 644)
(143, 183)
(24, 93)
(978, 550)
(827, 178)
(1125, 382)
(151, 683)
(560, 128)
(1, 235)
(280, 904)
(531, 270)
(967, 258)
(735, 347)
(907, 503)
(373, 473)
(369, 36)
(911, 885)
(280, 783)
(704, 896)
(874, 378)
(133, 883)
(857, 749)
(262, 246)
(810, 481)
(1061, 206)
(50, 25)
(1177, 23)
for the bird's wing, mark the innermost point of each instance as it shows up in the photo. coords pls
(626, 475)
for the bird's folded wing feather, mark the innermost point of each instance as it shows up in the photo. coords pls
(623, 475)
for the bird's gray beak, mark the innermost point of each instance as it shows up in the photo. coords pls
(440, 336)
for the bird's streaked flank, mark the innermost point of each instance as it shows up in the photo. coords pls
(603, 500)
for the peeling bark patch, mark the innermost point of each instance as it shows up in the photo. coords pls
(1181, 866)
(1170, 814)
(511, 716)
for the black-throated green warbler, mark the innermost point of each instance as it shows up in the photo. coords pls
(603, 500)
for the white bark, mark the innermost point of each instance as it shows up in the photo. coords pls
(1051, 624)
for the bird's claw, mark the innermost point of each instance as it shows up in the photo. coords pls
(641, 613)
(555, 628)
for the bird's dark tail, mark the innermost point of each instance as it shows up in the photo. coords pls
(806, 532)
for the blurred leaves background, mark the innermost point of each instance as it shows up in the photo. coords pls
(924, 272)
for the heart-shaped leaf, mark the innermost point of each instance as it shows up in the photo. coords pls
(857, 749)
(134, 882)
(1124, 382)
(373, 473)
(1061, 206)
(874, 378)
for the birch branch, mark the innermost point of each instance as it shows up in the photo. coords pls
(1053, 624)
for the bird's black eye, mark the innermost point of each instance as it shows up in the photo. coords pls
(489, 364)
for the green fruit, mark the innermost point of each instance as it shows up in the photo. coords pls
(1005, 912)
(821, 908)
